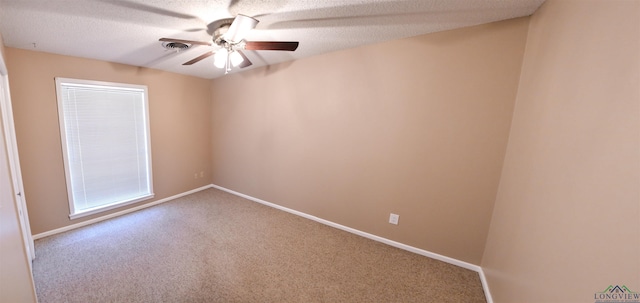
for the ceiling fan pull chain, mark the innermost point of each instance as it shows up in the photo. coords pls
(227, 66)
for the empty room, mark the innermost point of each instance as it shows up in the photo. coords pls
(310, 151)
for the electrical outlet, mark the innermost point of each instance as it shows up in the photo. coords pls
(195, 176)
(393, 219)
(201, 174)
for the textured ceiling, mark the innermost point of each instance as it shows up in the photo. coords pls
(127, 31)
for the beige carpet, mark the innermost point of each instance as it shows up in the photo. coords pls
(215, 247)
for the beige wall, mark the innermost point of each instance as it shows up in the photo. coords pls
(417, 127)
(566, 222)
(180, 122)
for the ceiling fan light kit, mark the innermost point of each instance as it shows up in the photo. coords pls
(225, 59)
(229, 38)
(220, 58)
(235, 58)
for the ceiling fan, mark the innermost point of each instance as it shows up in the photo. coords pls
(228, 36)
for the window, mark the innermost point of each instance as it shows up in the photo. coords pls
(105, 142)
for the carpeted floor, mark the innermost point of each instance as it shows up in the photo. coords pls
(212, 246)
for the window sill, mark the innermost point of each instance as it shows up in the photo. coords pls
(96, 210)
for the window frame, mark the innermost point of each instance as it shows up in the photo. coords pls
(74, 213)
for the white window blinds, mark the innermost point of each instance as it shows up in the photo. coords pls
(105, 136)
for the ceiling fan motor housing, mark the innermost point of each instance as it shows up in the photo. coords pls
(218, 35)
(221, 28)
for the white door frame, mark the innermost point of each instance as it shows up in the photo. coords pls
(14, 160)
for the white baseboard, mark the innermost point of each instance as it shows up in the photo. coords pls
(485, 285)
(116, 214)
(412, 249)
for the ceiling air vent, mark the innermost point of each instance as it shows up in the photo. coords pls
(176, 46)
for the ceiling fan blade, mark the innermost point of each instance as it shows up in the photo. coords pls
(245, 61)
(196, 59)
(271, 45)
(239, 28)
(185, 41)
(369, 13)
(232, 6)
(149, 8)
